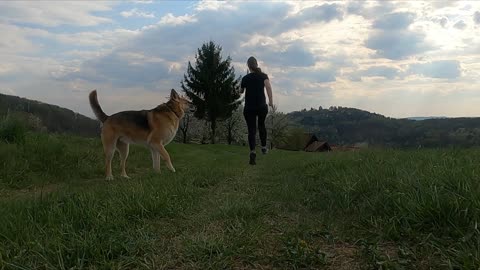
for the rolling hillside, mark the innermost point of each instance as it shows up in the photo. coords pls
(341, 125)
(53, 118)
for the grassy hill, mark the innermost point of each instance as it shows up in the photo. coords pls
(53, 118)
(373, 209)
(340, 125)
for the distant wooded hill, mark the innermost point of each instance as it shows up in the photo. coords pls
(340, 125)
(53, 118)
(337, 125)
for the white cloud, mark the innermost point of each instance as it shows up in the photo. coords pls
(214, 5)
(442, 69)
(142, 1)
(394, 39)
(476, 17)
(387, 72)
(48, 13)
(443, 22)
(461, 25)
(135, 13)
(397, 45)
(371, 9)
(97, 39)
(177, 20)
(394, 21)
(16, 39)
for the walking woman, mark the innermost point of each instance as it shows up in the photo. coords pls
(256, 108)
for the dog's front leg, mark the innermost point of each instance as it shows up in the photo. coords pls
(164, 154)
(155, 160)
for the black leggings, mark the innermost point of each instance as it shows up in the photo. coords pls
(251, 118)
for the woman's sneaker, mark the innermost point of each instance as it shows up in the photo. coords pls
(253, 156)
(264, 150)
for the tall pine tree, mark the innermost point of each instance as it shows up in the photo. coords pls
(211, 85)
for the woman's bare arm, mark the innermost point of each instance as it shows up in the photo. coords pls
(268, 86)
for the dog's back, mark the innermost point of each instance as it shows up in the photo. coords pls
(137, 119)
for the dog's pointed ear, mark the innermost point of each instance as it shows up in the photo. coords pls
(174, 94)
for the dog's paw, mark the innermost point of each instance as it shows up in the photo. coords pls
(125, 176)
(109, 178)
(170, 167)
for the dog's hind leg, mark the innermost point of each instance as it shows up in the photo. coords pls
(155, 160)
(109, 141)
(123, 148)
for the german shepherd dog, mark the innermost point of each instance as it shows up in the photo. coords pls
(153, 128)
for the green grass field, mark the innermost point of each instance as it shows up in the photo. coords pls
(374, 209)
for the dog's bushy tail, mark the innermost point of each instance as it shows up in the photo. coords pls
(97, 110)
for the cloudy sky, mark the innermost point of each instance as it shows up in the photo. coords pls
(400, 59)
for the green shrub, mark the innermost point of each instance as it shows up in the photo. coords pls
(13, 129)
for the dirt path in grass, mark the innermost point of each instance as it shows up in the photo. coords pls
(223, 231)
